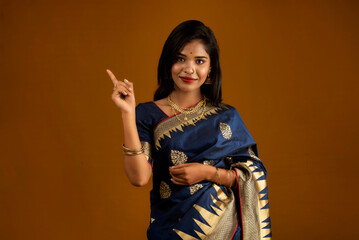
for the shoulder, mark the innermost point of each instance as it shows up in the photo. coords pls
(151, 105)
(234, 119)
(143, 110)
(230, 112)
(228, 108)
(148, 113)
(161, 102)
(145, 105)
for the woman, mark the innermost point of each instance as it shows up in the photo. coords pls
(208, 182)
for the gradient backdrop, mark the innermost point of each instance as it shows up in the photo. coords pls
(289, 67)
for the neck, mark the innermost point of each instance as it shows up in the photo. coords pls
(186, 99)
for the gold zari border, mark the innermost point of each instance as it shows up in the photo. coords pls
(172, 124)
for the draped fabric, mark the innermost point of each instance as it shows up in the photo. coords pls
(204, 210)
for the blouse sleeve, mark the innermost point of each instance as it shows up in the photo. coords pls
(145, 131)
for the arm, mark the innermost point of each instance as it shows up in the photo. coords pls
(191, 173)
(136, 167)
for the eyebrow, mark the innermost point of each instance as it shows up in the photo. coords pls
(181, 54)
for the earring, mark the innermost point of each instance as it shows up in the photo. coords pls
(208, 80)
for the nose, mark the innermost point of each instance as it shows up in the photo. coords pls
(188, 68)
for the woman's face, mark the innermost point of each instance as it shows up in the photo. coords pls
(191, 67)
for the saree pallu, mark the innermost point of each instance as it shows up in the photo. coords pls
(204, 210)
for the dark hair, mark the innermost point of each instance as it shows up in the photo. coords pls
(181, 35)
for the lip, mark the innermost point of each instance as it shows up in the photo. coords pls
(188, 79)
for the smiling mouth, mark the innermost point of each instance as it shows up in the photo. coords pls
(188, 79)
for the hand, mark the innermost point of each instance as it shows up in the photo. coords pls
(123, 96)
(189, 173)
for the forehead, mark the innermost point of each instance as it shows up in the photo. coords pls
(195, 47)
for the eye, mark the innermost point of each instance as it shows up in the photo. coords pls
(200, 61)
(179, 59)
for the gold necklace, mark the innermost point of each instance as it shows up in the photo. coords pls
(187, 110)
(193, 123)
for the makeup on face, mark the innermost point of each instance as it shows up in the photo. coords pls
(191, 66)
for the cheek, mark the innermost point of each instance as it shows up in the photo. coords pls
(175, 69)
(203, 72)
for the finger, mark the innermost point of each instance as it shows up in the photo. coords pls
(178, 182)
(179, 166)
(112, 76)
(128, 88)
(128, 84)
(180, 175)
(182, 179)
(176, 171)
(121, 90)
(117, 94)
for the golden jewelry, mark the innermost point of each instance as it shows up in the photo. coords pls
(132, 152)
(193, 121)
(229, 178)
(235, 179)
(219, 178)
(208, 80)
(187, 110)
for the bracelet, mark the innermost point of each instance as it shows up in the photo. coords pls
(132, 152)
(235, 179)
(229, 178)
(219, 178)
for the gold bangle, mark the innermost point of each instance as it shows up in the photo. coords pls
(219, 178)
(229, 178)
(132, 152)
(235, 179)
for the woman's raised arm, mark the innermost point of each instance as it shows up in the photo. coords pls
(136, 166)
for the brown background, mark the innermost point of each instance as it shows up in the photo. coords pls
(289, 67)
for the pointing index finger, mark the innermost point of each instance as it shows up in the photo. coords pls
(112, 76)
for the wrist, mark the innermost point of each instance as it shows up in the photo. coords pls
(210, 174)
(128, 115)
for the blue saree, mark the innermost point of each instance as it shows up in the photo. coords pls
(204, 210)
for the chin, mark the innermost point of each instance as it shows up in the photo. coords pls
(188, 88)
